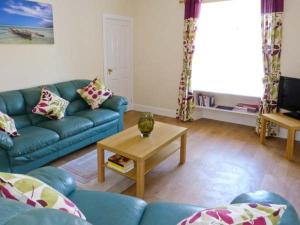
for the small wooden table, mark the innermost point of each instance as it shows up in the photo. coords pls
(291, 124)
(147, 153)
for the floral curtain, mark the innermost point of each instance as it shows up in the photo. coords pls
(185, 99)
(272, 13)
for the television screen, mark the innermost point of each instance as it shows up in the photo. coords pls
(289, 94)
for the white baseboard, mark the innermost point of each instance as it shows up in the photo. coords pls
(155, 110)
(130, 107)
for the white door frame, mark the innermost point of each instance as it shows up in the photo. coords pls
(105, 68)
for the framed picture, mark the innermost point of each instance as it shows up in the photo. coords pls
(26, 22)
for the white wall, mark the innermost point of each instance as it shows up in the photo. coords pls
(77, 52)
(158, 52)
(291, 37)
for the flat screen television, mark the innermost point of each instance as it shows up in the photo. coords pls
(289, 96)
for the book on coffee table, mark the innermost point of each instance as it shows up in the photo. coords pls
(120, 163)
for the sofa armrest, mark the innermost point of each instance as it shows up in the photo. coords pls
(116, 103)
(6, 141)
(59, 179)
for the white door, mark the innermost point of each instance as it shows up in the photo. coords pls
(118, 51)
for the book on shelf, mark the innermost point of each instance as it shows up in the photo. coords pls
(205, 100)
(120, 163)
(119, 168)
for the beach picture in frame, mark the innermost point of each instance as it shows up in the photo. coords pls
(26, 22)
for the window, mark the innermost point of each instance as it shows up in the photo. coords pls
(228, 56)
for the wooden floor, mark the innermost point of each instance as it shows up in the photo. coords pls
(223, 161)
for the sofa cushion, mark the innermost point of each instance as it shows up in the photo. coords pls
(99, 116)
(68, 126)
(289, 217)
(167, 213)
(32, 97)
(51, 105)
(36, 193)
(31, 139)
(7, 124)
(238, 214)
(95, 93)
(107, 208)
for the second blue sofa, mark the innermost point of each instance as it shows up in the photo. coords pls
(102, 208)
(43, 140)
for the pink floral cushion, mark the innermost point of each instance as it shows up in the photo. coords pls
(238, 214)
(7, 124)
(51, 105)
(95, 93)
(33, 192)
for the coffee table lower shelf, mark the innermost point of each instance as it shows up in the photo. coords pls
(152, 161)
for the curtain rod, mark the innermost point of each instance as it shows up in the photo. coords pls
(181, 1)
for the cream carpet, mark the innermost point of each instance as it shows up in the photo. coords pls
(84, 170)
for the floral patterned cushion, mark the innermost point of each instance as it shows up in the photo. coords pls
(51, 105)
(36, 193)
(95, 93)
(238, 214)
(7, 124)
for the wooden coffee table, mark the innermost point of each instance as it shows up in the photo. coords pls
(146, 153)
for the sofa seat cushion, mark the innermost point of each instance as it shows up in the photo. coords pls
(68, 126)
(99, 116)
(108, 208)
(167, 213)
(31, 139)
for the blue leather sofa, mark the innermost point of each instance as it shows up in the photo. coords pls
(114, 209)
(43, 140)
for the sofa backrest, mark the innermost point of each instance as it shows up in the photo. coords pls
(68, 90)
(13, 104)
(18, 104)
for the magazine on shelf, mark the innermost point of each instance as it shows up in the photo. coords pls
(251, 108)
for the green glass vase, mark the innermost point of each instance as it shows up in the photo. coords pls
(146, 124)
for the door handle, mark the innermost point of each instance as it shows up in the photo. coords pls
(109, 71)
